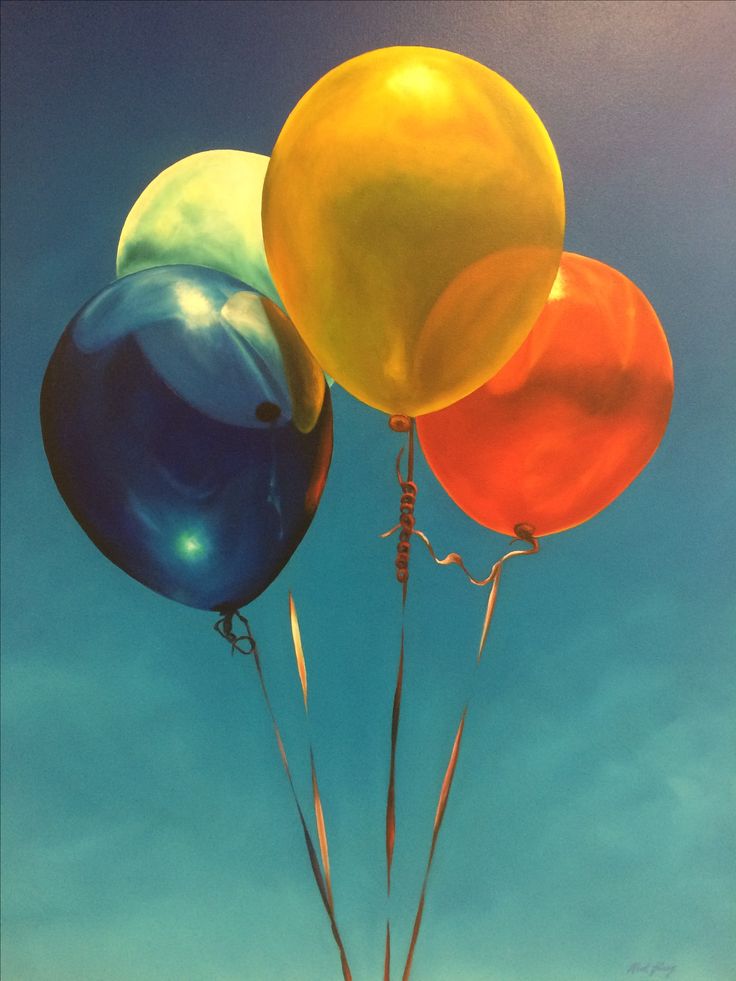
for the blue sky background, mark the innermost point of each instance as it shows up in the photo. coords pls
(147, 828)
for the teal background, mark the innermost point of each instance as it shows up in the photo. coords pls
(147, 827)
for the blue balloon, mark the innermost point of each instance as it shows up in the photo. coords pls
(189, 433)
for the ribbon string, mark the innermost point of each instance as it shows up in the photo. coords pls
(319, 816)
(408, 501)
(391, 795)
(405, 527)
(438, 818)
(245, 644)
(524, 533)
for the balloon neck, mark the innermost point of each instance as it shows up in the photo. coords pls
(525, 533)
(400, 423)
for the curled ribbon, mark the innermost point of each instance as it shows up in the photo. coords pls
(523, 532)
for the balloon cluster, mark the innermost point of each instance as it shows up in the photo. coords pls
(411, 222)
(413, 218)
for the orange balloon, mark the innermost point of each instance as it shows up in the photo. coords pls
(575, 415)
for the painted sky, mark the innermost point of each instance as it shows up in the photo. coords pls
(148, 834)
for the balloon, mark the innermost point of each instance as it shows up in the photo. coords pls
(204, 210)
(570, 420)
(189, 433)
(413, 217)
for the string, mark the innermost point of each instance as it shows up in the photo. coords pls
(438, 818)
(317, 800)
(523, 533)
(405, 528)
(245, 644)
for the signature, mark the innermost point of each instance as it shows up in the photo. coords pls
(651, 969)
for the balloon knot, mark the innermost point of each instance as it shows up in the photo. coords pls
(243, 643)
(400, 423)
(525, 533)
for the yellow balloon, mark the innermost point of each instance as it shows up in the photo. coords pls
(413, 219)
(204, 210)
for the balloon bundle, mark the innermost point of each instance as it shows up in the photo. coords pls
(411, 222)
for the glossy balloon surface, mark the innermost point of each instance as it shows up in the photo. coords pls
(189, 439)
(413, 219)
(570, 420)
(204, 210)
